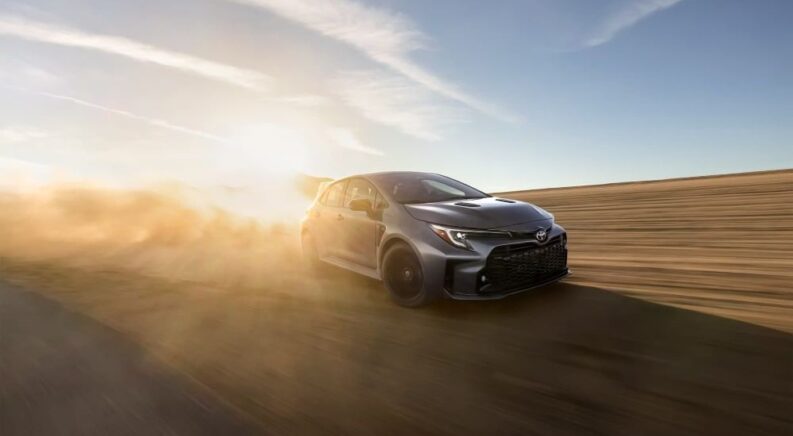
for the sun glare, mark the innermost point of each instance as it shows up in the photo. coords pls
(265, 149)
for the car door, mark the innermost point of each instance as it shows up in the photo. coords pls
(359, 229)
(329, 220)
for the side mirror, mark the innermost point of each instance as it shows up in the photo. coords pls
(361, 205)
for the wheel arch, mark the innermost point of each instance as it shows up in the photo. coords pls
(429, 292)
(390, 242)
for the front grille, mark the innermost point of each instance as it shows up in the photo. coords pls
(511, 267)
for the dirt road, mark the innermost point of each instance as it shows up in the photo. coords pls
(564, 360)
(64, 373)
(677, 321)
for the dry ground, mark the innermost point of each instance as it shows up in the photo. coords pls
(720, 245)
(296, 354)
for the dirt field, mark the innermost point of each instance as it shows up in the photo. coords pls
(721, 245)
(301, 355)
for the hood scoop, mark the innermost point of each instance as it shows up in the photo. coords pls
(466, 204)
(504, 200)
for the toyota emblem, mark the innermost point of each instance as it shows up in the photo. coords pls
(541, 235)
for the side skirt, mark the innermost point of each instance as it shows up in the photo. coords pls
(350, 266)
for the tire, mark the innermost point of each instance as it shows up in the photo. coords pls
(310, 254)
(403, 276)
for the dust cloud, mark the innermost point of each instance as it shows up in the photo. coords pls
(158, 232)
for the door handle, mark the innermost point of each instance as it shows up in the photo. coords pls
(339, 217)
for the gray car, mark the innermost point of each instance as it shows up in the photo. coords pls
(427, 236)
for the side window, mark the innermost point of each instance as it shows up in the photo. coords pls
(335, 194)
(359, 188)
(380, 202)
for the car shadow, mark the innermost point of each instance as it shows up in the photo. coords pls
(692, 369)
(617, 364)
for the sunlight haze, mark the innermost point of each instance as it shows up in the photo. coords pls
(240, 93)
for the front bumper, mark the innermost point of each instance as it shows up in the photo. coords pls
(500, 295)
(496, 270)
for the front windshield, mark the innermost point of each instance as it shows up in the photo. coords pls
(427, 188)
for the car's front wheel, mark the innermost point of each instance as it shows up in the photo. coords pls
(404, 277)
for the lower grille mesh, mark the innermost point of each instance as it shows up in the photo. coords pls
(511, 267)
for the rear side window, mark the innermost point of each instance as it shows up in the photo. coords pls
(360, 188)
(380, 203)
(335, 194)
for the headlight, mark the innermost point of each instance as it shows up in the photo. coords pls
(460, 237)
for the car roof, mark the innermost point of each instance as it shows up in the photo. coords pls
(393, 173)
(383, 174)
(376, 177)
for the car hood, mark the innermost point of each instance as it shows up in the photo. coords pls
(483, 213)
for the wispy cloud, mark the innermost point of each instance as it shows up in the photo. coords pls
(148, 120)
(627, 16)
(48, 33)
(19, 73)
(394, 101)
(20, 134)
(303, 100)
(345, 138)
(340, 137)
(384, 36)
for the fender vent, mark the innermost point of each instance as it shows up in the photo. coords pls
(464, 204)
(504, 200)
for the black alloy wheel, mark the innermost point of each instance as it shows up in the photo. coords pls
(404, 277)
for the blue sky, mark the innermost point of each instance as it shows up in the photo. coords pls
(502, 94)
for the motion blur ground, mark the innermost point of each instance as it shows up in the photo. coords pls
(77, 376)
(720, 245)
(296, 354)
